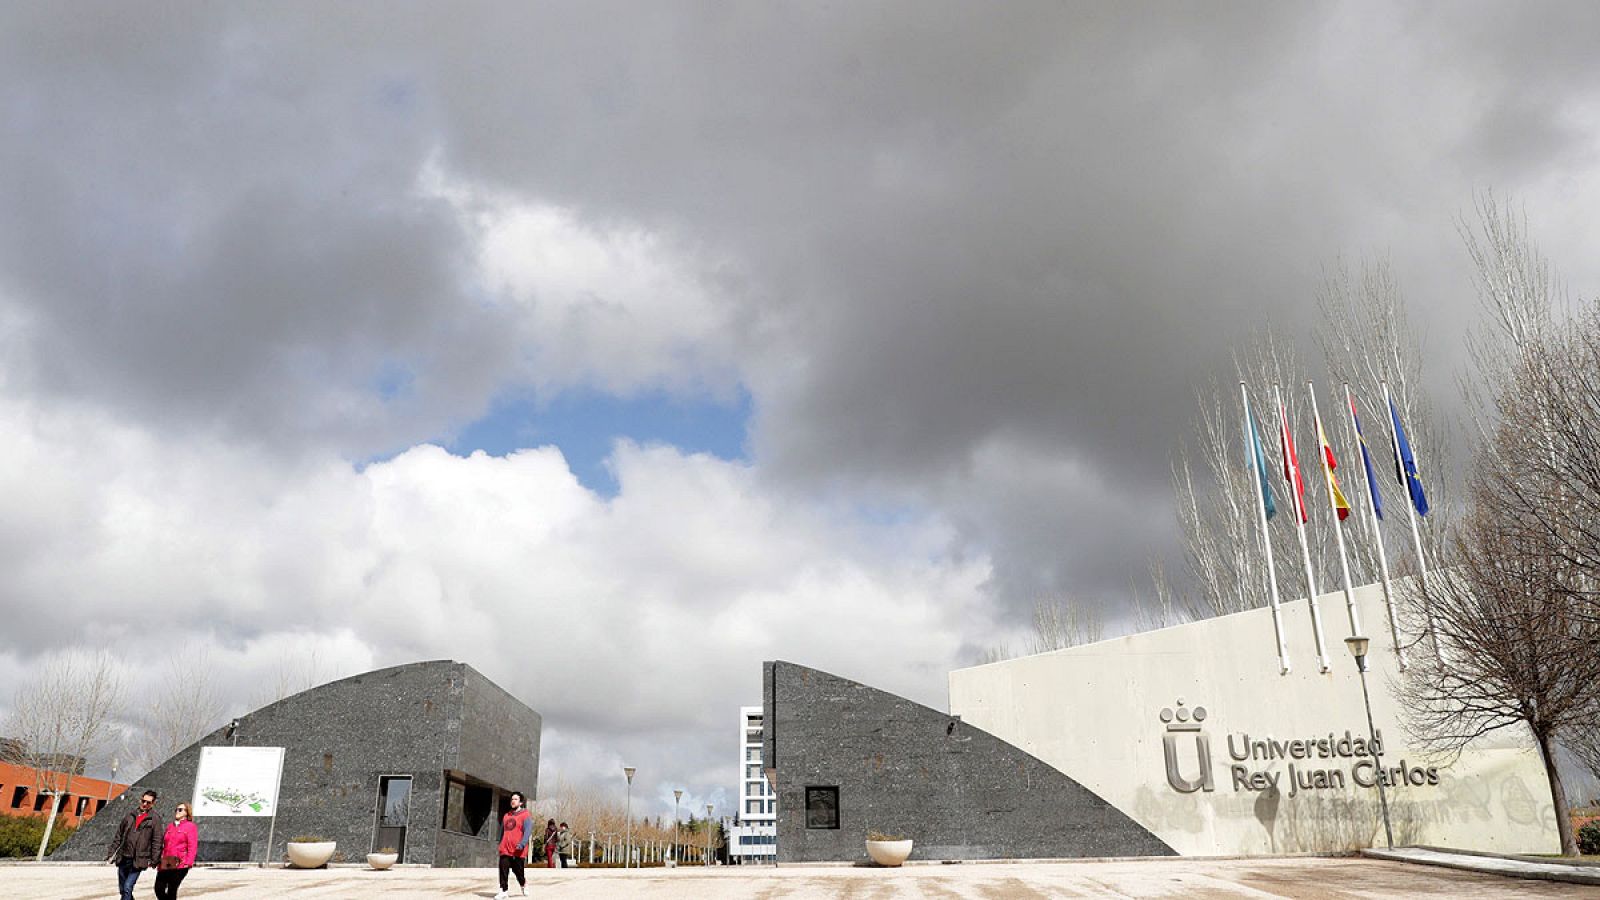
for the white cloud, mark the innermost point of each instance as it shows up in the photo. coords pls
(636, 624)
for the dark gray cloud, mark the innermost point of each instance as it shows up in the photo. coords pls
(969, 258)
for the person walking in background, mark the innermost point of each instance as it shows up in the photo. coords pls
(178, 847)
(516, 827)
(137, 845)
(550, 843)
(564, 845)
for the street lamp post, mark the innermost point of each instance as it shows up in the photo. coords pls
(627, 853)
(1358, 649)
(677, 794)
(709, 827)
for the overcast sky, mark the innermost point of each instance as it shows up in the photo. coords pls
(613, 349)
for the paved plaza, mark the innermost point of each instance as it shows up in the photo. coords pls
(1311, 877)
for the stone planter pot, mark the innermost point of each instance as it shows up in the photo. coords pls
(381, 861)
(889, 853)
(310, 855)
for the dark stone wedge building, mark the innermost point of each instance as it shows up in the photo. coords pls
(848, 759)
(421, 757)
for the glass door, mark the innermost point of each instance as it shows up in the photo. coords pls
(394, 813)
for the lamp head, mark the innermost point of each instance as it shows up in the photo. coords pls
(1357, 645)
(628, 771)
(677, 795)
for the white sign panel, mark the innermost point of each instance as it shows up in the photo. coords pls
(238, 781)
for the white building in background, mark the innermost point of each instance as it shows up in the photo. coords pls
(753, 838)
(1193, 733)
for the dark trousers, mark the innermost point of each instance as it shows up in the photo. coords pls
(167, 881)
(511, 864)
(566, 860)
(127, 875)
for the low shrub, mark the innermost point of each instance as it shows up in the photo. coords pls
(19, 835)
(1589, 839)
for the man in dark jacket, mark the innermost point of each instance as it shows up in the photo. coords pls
(137, 845)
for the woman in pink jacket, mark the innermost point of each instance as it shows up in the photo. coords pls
(177, 853)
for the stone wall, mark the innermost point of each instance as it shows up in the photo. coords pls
(339, 740)
(908, 770)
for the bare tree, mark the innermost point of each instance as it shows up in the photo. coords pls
(294, 673)
(1058, 623)
(1367, 340)
(1517, 651)
(187, 708)
(60, 717)
(1518, 614)
(1216, 496)
(1584, 742)
(1062, 622)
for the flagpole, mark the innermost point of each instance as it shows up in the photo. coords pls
(1377, 530)
(1411, 513)
(1257, 465)
(1333, 509)
(1300, 529)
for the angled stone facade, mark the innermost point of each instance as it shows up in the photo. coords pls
(440, 723)
(904, 769)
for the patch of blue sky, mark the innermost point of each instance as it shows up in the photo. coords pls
(585, 424)
(394, 381)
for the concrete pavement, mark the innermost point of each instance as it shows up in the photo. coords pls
(1311, 878)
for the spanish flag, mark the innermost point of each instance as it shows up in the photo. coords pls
(1291, 464)
(1340, 504)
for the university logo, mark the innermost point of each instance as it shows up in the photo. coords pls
(1181, 723)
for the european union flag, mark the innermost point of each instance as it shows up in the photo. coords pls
(1405, 464)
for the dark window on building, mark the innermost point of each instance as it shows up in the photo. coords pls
(38, 802)
(18, 794)
(83, 805)
(99, 805)
(467, 807)
(822, 807)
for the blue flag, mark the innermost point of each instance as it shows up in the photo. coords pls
(1405, 464)
(1260, 458)
(1366, 462)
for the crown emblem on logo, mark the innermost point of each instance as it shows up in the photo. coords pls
(1181, 719)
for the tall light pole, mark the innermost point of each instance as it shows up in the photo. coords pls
(1358, 649)
(677, 794)
(709, 827)
(627, 853)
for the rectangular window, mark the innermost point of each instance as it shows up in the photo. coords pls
(467, 807)
(18, 794)
(83, 804)
(822, 807)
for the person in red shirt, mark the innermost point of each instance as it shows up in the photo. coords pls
(550, 833)
(516, 827)
(137, 845)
